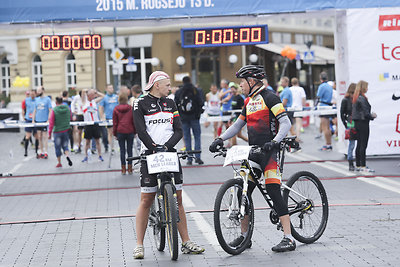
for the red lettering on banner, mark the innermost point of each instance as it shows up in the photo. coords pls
(389, 53)
(389, 23)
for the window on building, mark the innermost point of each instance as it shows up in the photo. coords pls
(319, 39)
(281, 37)
(37, 77)
(70, 71)
(300, 38)
(5, 76)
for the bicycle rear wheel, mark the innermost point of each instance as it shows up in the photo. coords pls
(308, 208)
(157, 226)
(171, 214)
(233, 233)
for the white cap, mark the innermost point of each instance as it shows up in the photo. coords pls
(155, 77)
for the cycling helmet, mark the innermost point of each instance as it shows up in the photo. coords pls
(251, 71)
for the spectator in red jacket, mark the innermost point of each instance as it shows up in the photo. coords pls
(124, 130)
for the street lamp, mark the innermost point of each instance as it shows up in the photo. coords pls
(232, 59)
(253, 58)
(180, 61)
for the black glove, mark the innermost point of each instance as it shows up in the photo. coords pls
(216, 145)
(268, 146)
(161, 148)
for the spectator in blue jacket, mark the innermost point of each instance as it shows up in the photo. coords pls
(42, 114)
(107, 105)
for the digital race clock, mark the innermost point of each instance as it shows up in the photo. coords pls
(70, 42)
(224, 36)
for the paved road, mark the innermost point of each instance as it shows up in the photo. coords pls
(84, 215)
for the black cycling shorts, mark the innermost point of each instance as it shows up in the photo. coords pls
(92, 131)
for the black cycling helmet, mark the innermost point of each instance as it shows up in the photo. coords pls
(251, 71)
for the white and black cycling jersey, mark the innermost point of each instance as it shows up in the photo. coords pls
(157, 122)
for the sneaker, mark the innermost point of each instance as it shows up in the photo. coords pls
(79, 150)
(189, 163)
(25, 154)
(41, 156)
(37, 156)
(138, 252)
(238, 240)
(366, 169)
(336, 138)
(190, 247)
(101, 158)
(285, 245)
(59, 165)
(199, 161)
(326, 148)
(318, 136)
(85, 159)
(45, 156)
(183, 148)
(69, 161)
(352, 169)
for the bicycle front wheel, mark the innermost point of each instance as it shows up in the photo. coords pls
(233, 231)
(157, 225)
(308, 206)
(171, 214)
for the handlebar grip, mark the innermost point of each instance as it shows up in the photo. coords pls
(193, 151)
(133, 158)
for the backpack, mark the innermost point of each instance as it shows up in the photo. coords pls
(187, 104)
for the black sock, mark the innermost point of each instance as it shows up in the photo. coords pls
(26, 146)
(36, 145)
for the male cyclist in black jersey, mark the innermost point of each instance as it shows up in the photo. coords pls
(267, 124)
(159, 128)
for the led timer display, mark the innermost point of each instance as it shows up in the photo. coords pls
(224, 36)
(70, 42)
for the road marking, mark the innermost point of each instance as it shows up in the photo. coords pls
(333, 168)
(302, 156)
(16, 167)
(382, 183)
(187, 202)
(28, 158)
(206, 229)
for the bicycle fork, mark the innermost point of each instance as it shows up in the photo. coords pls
(244, 175)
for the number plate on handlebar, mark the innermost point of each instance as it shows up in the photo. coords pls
(162, 162)
(237, 153)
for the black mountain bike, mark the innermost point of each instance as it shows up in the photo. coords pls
(164, 212)
(234, 211)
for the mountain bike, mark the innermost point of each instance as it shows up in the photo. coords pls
(164, 212)
(234, 210)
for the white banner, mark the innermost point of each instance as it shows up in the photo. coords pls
(368, 48)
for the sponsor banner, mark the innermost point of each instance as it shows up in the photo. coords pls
(373, 54)
(29, 11)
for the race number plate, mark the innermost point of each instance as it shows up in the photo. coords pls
(163, 162)
(237, 153)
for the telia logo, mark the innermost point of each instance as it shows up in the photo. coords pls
(389, 23)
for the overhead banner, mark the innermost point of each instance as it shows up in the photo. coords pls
(29, 11)
(368, 48)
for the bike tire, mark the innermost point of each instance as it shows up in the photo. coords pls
(171, 219)
(224, 223)
(158, 227)
(309, 223)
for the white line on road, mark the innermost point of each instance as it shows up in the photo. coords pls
(302, 156)
(333, 168)
(382, 183)
(206, 229)
(28, 158)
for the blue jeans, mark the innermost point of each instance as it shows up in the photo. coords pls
(125, 139)
(61, 141)
(187, 137)
(352, 144)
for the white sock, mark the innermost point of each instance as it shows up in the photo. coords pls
(290, 237)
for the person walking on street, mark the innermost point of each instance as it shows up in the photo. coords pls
(362, 116)
(30, 105)
(162, 136)
(299, 101)
(77, 116)
(59, 122)
(107, 105)
(190, 107)
(124, 130)
(90, 98)
(267, 124)
(237, 104)
(213, 107)
(346, 109)
(287, 100)
(324, 95)
(42, 114)
(225, 96)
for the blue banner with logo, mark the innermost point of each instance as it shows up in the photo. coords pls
(28, 11)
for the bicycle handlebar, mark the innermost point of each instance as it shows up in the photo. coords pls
(183, 153)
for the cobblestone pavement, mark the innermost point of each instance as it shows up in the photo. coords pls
(84, 215)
